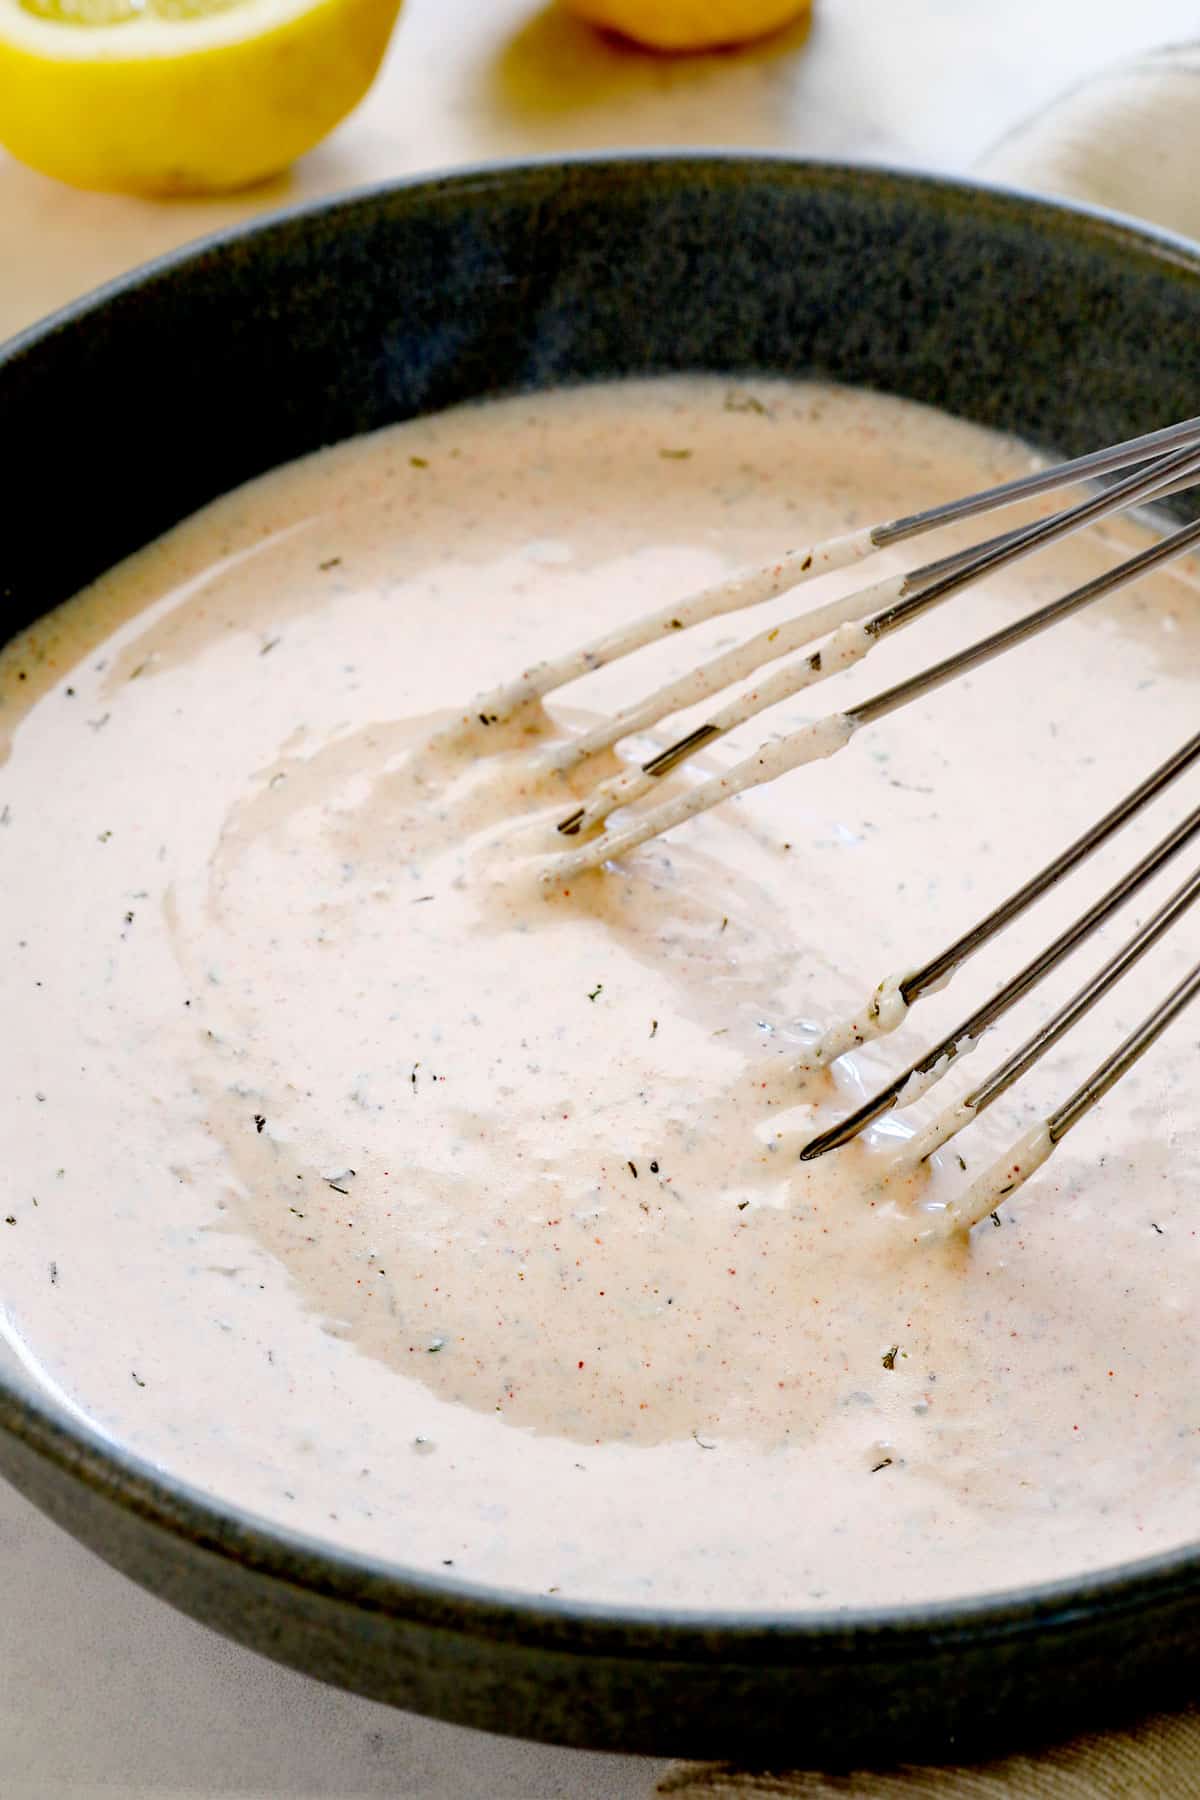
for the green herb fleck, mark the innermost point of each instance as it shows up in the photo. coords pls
(735, 403)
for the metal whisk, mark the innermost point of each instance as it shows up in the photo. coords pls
(892, 999)
(1162, 462)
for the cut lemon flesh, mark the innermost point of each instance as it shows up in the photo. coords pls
(121, 12)
(181, 96)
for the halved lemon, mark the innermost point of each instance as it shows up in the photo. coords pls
(689, 24)
(181, 96)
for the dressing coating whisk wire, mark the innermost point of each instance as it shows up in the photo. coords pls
(751, 588)
(849, 644)
(1161, 463)
(1018, 1164)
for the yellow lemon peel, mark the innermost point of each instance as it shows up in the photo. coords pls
(689, 24)
(181, 96)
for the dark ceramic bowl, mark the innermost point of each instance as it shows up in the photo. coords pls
(175, 384)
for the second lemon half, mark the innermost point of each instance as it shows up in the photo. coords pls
(689, 24)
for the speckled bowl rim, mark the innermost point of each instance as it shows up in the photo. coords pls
(373, 1584)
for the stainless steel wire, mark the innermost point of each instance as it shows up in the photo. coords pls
(1147, 468)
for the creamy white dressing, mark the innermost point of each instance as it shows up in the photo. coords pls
(811, 742)
(848, 645)
(737, 592)
(363, 1177)
(1010, 1171)
(883, 1013)
(931, 1137)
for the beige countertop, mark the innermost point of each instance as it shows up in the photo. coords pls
(104, 1689)
(925, 82)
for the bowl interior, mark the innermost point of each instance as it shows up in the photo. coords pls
(139, 405)
(142, 403)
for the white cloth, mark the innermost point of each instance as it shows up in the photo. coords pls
(1129, 138)
(1157, 1760)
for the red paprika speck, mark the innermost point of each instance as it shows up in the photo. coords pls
(581, 1365)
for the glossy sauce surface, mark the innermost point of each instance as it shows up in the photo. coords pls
(358, 1177)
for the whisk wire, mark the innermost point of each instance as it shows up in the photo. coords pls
(847, 647)
(748, 588)
(1024, 1158)
(964, 1112)
(1106, 1075)
(1041, 481)
(935, 1061)
(866, 712)
(940, 968)
(1082, 1001)
(845, 629)
(830, 734)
